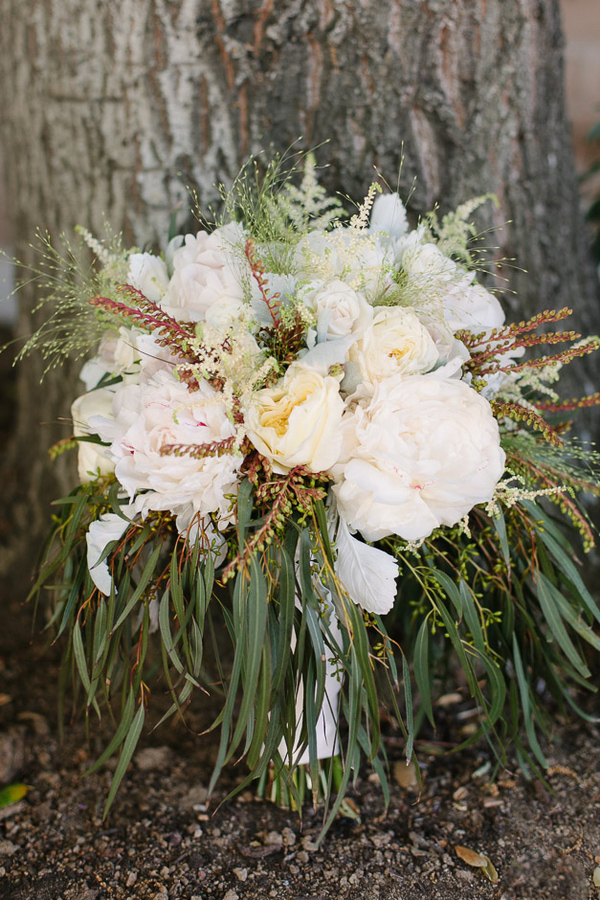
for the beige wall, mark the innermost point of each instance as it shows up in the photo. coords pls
(581, 22)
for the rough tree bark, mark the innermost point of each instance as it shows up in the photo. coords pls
(113, 108)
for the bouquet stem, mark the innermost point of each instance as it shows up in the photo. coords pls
(290, 789)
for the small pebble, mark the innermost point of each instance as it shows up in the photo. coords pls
(153, 758)
(7, 848)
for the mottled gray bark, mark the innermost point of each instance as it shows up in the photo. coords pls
(113, 109)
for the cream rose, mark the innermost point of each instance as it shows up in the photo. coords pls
(92, 458)
(396, 343)
(421, 452)
(297, 422)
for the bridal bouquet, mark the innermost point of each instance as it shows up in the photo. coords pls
(294, 424)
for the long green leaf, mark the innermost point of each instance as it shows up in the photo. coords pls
(149, 571)
(524, 692)
(421, 668)
(129, 745)
(119, 735)
(554, 620)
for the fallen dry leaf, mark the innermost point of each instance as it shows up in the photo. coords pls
(471, 857)
(490, 871)
(478, 861)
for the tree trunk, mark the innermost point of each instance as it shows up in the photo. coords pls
(115, 109)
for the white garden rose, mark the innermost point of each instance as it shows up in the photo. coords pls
(207, 270)
(396, 343)
(297, 422)
(148, 273)
(223, 314)
(420, 453)
(92, 458)
(159, 412)
(339, 310)
(118, 354)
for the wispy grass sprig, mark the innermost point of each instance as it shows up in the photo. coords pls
(65, 280)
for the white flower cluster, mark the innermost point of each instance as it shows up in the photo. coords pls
(373, 397)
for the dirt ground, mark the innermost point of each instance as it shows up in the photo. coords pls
(163, 840)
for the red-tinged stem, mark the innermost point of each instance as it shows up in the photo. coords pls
(570, 405)
(258, 272)
(150, 316)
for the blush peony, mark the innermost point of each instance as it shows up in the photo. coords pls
(159, 412)
(207, 269)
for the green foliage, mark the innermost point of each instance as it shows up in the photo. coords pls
(504, 600)
(507, 601)
(277, 615)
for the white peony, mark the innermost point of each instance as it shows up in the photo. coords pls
(297, 422)
(148, 273)
(159, 412)
(92, 458)
(396, 343)
(207, 270)
(421, 452)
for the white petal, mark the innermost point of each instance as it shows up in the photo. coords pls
(109, 527)
(368, 574)
(388, 215)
